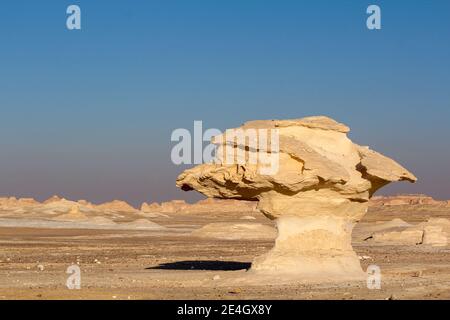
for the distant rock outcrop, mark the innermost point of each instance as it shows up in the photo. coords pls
(409, 199)
(52, 199)
(410, 236)
(151, 208)
(73, 215)
(434, 232)
(13, 202)
(165, 207)
(59, 205)
(173, 206)
(116, 205)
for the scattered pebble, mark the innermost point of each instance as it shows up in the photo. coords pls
(235, 291)
(216, 277)
(40, 267)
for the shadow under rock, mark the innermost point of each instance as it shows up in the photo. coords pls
(203, 265)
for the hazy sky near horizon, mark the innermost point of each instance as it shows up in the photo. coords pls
(89, 113)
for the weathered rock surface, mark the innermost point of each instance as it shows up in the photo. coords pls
(150, 208)
(320, 190)
(116, 205)
(52, 199)
(58, 212)
(165, 207)
(435, 236)
(434, 232)
(409, 199)
(13, 202)
(365, 231)
(410, 236)
(73, 215)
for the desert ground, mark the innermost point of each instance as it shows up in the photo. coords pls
(176, 250)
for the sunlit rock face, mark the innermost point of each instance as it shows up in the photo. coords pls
(319, 191)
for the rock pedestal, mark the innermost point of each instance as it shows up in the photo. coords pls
(316, 186)
(312, 247)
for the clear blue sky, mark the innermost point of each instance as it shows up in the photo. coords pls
(89, 113)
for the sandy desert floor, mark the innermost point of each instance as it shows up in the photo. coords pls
(174, 264)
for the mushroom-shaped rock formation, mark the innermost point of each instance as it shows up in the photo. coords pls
(320, 189)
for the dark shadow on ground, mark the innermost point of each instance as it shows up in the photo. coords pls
(203, 265)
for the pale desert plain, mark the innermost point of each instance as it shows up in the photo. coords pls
(313, 230)
(181, 251)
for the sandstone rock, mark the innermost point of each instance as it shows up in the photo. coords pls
(27, 202)
(434, 232)
(52, 199)
(321, 188)
(412, 236)
(4, 199)
(165, 207)
(116, 205)
(236, 231)
(399, 200)
(150, 208)
(73, 215)
(57, 206)
(86, 204)
(365, 231)
(435, 236)
(442, 222)
(173, 206)
(13, 202)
